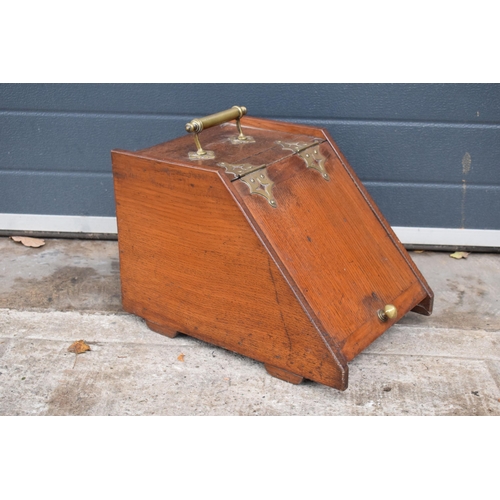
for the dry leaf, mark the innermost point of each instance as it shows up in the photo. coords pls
(181, 358)
(78, 347)
(460, 255)
(28, 242)
(419, 251)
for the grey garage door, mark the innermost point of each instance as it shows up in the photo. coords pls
(428, 154)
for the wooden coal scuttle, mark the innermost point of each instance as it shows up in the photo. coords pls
(262, 241)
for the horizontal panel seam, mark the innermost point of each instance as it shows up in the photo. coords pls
(57, 172)
(440, 185)
(434, 185)
(321, 121)
(94, 114)
(304, 119)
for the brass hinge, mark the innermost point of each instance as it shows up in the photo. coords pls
(238, 170)
(315, 160)
(298, 146)
(254, 176)
(259, 183)
(310, 153)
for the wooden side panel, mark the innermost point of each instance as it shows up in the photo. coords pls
(340, 257)
(190, 262)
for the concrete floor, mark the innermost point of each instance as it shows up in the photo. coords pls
(67, 290)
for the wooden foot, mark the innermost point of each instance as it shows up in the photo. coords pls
(164, 330)
(283, 374)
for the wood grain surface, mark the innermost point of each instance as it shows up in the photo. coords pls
(297, 287)
(339, 256)
(424, 307)
(190, 262)
(217, 139)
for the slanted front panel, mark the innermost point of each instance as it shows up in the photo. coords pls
(328, 239)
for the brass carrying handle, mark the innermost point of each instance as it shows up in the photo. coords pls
(198, 124)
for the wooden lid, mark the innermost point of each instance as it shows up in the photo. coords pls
(262, 149)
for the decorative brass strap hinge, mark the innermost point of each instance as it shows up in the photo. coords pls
(298, 146)
(259, 183)
(314, 159)
(254, 176)
(238, 170)
(310, 153)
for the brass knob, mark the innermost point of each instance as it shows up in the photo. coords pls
(388, 312)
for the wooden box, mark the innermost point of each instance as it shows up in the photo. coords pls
(267, 245)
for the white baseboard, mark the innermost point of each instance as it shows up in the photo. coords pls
(57, 223)
(436, 236)
(431, 236)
